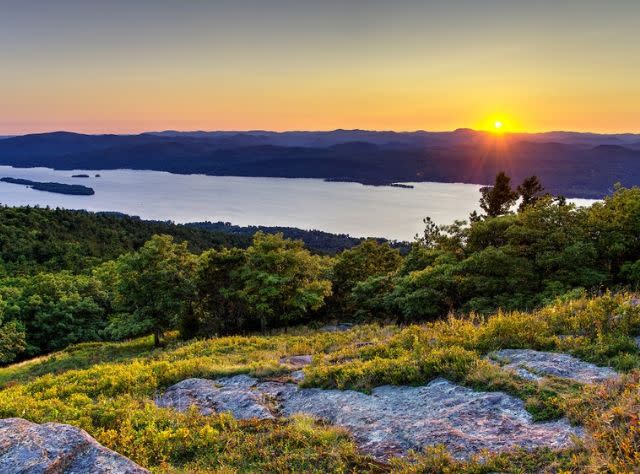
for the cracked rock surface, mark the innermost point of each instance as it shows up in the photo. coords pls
(391, 420)
(533, 365)
(53, 448)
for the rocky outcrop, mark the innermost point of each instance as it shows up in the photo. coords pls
(395, 419)
(533, 365)
(233, 395)
(391, 420)
(53, 448)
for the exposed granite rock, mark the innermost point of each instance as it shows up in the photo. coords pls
(52, 448)
(637, 341)
(395, 419)
(297, 376)
(533, 365)
(232, 394)
(297, 361)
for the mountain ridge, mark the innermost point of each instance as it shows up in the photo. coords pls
(574, 164)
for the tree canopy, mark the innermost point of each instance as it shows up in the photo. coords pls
(155, 285)
(498, 199)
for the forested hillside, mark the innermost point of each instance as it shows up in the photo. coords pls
(315, 240)
(36, 239)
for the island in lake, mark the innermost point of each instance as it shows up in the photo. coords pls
(376, 184)
(74, 189)
(80, 176)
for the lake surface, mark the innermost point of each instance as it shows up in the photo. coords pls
(349, 208)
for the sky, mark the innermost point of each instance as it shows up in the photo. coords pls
(137, 65)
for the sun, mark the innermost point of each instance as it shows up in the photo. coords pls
(497, 124)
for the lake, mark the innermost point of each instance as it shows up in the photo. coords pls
(349, 208)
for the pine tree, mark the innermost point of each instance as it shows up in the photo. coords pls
(530, 191)
(498, 199)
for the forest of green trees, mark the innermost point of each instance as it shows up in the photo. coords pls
(70, 276)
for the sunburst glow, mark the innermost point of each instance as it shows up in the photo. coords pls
(499, 123)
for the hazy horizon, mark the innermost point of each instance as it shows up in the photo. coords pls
(408, 131)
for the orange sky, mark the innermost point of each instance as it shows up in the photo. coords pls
(282, 65)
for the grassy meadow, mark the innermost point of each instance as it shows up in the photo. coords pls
(108, 389)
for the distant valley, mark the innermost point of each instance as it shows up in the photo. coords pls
(572, 164)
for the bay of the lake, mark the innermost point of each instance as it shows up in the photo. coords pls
(346, 208)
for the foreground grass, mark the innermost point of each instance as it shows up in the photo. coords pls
(111, 397)
(108, 390)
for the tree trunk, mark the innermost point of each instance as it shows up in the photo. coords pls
(263, 324)
(156, 337)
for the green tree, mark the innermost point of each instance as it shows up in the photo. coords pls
(492, 232)
(220, 308)
(56, 309)
(614, 225)
(373, 298)
(428, 293)
(156, 285)
(496, 278)
(430, 235)
(555, 238)
(529, 191)
(281, 281)
(12, 341)
(498, 199)
(12, 337)
(630, 273)
(352, 266)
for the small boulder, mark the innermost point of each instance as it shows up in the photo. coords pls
(297, 376)
(27, 447)
(296, 361)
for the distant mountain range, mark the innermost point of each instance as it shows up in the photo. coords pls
(569, 163)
